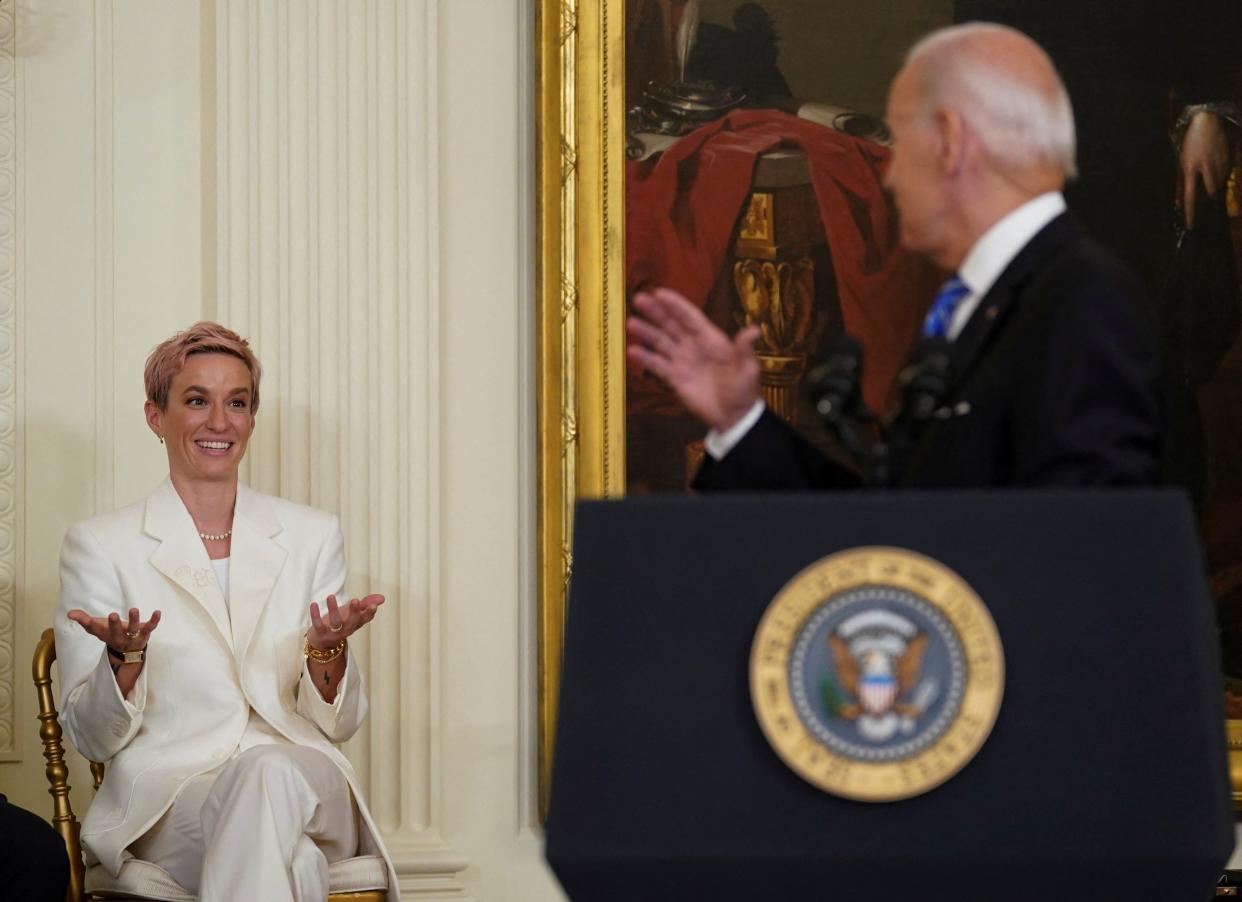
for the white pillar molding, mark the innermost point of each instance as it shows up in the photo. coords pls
(327, 210)
(10, 746)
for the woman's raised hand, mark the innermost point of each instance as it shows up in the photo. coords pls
(340, 622)
(117, 634)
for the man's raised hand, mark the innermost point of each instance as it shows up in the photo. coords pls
(716, 377)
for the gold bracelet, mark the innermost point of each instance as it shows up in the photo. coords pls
(323, 655)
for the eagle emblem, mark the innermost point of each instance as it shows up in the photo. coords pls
(868, 682)
(878, 659)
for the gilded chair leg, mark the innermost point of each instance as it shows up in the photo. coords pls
(57, 771)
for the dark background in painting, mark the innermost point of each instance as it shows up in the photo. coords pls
(1129, 67)
(843, 52)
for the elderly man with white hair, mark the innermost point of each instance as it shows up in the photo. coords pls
(1053, 354)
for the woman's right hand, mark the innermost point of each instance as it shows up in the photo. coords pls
(118, 634)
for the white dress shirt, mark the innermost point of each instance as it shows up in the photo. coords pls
(221, 566)
(982, 266)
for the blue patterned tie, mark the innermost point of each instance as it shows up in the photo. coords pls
(936, 324)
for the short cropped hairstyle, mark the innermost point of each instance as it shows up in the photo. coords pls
(1018, 122)
(169, 356)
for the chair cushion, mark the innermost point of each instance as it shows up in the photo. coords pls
(137, 878)
(144, 880)
(358, 875)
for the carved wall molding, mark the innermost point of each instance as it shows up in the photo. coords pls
(327, 217)
(10, 744)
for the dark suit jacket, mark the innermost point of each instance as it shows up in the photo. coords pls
(33, 863)
(1055, 383)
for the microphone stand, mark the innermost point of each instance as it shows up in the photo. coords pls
(837, 398)
(880, 448)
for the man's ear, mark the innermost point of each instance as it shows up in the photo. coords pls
(952, 135)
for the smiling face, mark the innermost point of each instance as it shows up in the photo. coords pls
(208, 419)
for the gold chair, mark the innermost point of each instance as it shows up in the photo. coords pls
(360, 879)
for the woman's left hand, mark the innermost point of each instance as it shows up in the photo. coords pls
(340, 622)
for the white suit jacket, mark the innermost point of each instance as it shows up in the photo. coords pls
(207, 662)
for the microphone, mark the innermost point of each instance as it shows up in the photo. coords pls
(925, 383)
(834, 384)
(880, 449)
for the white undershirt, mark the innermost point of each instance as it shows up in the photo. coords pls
(258, 731)
(982, 266)
(221, 566)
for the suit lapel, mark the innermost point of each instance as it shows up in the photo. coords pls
(256, 562)
(997, 304)
(181, 557)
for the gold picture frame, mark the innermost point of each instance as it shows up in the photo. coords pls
(581, 431)
(1233, 736)
(581, 304)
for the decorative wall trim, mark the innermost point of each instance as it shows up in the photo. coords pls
(9, 389)
(327, 223)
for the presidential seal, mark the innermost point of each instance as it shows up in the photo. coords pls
(876, 674)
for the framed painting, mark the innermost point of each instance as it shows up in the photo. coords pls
(735, 150)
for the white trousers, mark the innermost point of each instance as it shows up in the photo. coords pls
(262, 826)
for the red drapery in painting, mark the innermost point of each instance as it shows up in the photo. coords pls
(682, 208)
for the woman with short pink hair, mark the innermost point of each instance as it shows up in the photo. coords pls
(203, 654)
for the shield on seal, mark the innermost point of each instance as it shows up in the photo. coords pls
(877, 692)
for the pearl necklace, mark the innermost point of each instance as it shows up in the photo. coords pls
(208, 537)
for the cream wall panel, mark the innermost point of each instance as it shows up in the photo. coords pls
(108, 261)
(157, 231)
(487, 249)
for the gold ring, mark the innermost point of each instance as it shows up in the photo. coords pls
(336, 629)
(129, 635)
